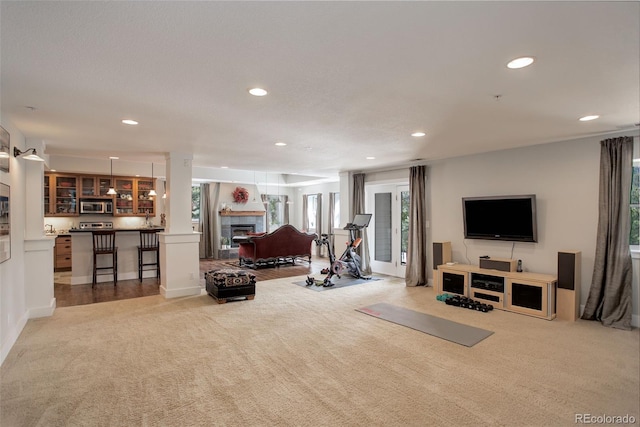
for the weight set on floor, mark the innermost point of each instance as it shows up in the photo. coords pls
(464, 302)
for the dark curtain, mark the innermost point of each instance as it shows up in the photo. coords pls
(319, 222)
(416, 271)
(208, 224)
(358, 208)
(330, 224)
(609, 298)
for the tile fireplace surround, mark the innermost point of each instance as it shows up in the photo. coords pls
(240, 218)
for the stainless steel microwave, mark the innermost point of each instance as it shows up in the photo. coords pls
(96, 206)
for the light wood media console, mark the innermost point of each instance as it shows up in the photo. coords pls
(527, 293)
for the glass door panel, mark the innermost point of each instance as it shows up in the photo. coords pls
(66, 195)
(388, 231)
(146, 203)
(88, 186)
(103, 186)
(47, 195)
(124, 200)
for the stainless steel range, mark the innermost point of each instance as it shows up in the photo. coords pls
(96, 225)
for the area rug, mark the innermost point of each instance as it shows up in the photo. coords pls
(442, 328)
(343, 282)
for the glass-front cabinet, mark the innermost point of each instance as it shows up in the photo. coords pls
(65, 202)
(47, 195)
(146, 203)
(125, 199)
(95, 186)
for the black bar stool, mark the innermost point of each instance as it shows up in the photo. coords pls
(104, 243)
(148, 243)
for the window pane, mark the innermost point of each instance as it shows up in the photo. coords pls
(336, 212)
(276, 212)
(312, 207)
(382, 227)
(404, 226)
(195, 202)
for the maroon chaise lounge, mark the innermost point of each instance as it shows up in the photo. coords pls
(282, 246)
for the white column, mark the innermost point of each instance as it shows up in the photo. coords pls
(179, 244)
(38, 249)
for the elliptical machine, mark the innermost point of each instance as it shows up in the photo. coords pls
(349, 260)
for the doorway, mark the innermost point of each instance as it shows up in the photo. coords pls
(388, 232)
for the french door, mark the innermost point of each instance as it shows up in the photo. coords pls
(388, 232)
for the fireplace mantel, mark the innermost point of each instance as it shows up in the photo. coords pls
(242, 213)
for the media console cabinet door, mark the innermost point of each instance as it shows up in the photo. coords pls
(531, 297)
(453, 282)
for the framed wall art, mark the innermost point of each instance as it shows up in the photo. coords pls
(5, 224)
(5, 154)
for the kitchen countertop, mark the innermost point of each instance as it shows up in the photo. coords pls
(89, 230)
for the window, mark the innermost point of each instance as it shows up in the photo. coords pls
(195, 203)
(275, 206)
(336, 210)
(405, 204)
(312, 208)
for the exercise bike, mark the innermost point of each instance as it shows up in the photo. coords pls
(349, 260)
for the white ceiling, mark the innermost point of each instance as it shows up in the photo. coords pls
(346, 80)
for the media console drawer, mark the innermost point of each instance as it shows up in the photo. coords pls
(532, 294)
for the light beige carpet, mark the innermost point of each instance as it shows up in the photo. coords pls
(297, 358)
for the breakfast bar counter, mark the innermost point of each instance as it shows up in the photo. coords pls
(127, 241)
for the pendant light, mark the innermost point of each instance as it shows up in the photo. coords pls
(112, 190)
(153, 191)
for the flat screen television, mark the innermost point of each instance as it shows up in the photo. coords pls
(511, 218)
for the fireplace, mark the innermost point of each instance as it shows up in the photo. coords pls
(239, 223)
(240, 230)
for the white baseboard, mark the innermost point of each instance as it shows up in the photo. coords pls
(36, 312)
(181, 292)
(13, 337)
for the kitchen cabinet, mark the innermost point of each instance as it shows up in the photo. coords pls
(61, 195)
(62, 253)
(133, 197)
(146, 204)
(63, 192)
(95, 186)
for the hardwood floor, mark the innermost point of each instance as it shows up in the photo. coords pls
(69, 295)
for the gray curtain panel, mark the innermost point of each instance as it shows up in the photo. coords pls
(208, 221)
(319, 222)
(305, 212)
(358, 208)
(609, 298)
(416, 271)
(330, 224)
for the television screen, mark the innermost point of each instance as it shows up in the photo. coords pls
(511, 218)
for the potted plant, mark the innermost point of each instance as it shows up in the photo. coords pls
(224, 242)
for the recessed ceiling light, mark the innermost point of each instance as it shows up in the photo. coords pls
(129, 122)
(520, 62)
(281, 144)
(587, 118)
(114, 157)
(224, 167)
(257, 91)
(416, 134)
(371, 158)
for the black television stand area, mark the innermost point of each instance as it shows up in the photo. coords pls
(532, 294)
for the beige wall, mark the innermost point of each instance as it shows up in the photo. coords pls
(563, 176)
